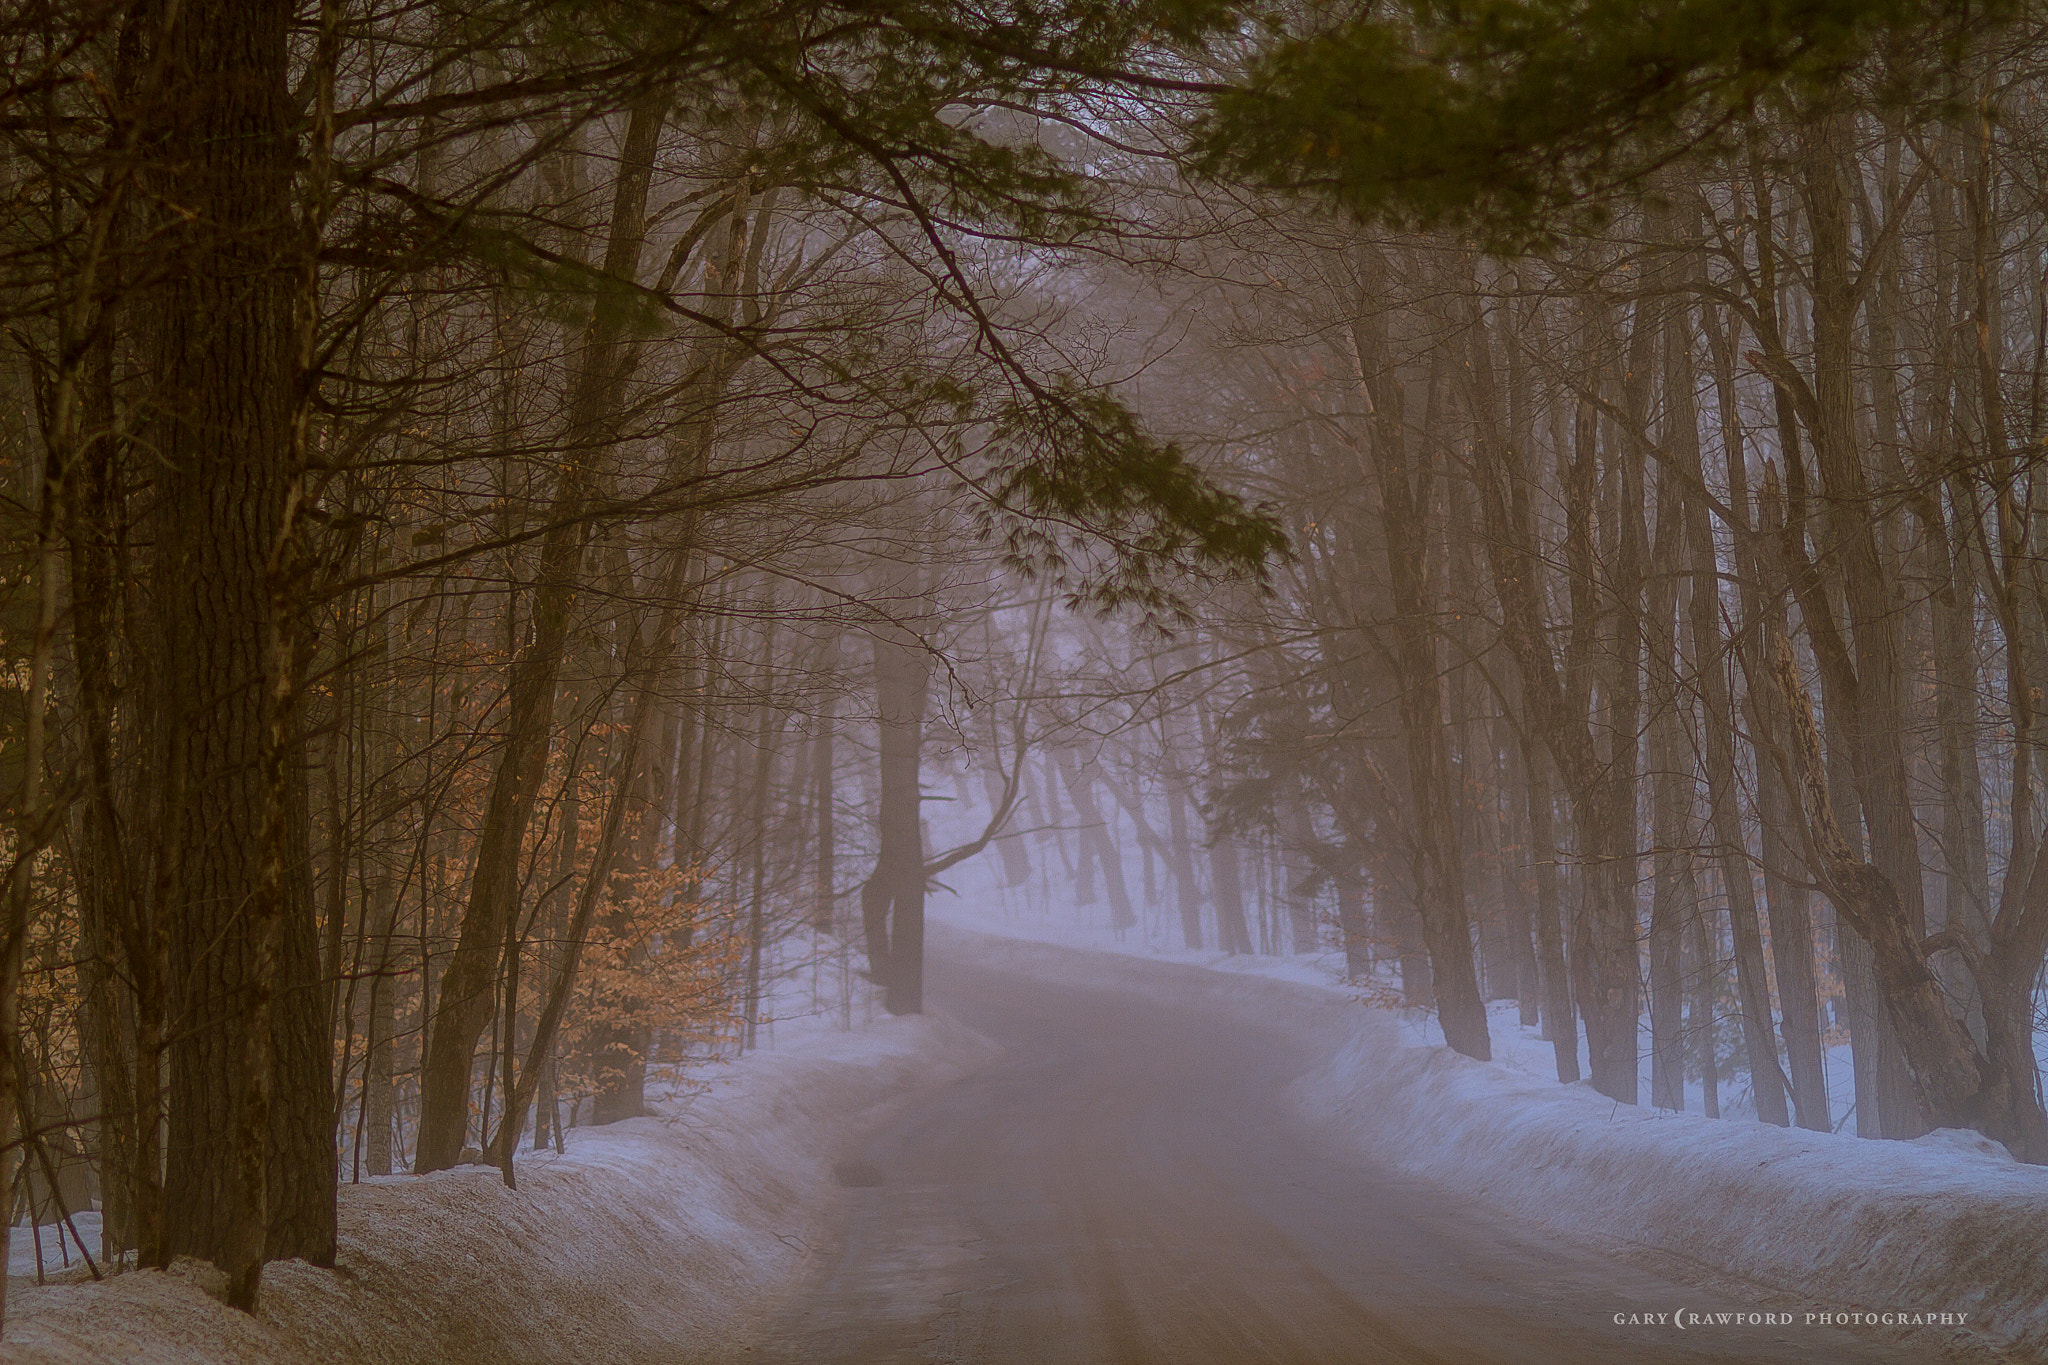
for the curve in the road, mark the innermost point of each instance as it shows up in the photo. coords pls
(1124, 1188)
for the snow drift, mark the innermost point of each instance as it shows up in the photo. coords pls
(1950, 1224)
(659, 1239)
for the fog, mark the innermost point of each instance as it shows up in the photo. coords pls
(1052, 682)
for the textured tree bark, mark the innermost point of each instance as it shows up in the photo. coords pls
(117, 970)
(249, 1158)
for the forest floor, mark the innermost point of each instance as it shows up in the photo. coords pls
(658, 1239)
(1948, 1224)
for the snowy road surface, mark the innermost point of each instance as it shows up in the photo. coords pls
(1123, 1187)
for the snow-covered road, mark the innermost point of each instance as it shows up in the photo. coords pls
(1123, 1186)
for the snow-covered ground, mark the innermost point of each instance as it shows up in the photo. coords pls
(668, 1238)
(982, 900)
(1948, 1224)
(661, 1239)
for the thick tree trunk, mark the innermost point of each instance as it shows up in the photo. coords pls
(249, 1160)
(1299, 870)
(1674, 884)
(1226, 878)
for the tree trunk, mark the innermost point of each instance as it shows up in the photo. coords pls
(1560, 1020)
(1187, 894)
(1872, 719)
(1095, 834)
(1701, 1023)
(1958, 1087)
(1438, 862)
(1226, 879)
(1762, 604)
(1672, 898)
(824, 851)
(767, 739)
(378, 1047)
(1751, 982)
(1604, 957)
(464, 1007)
(250, 1165)
(892, 900)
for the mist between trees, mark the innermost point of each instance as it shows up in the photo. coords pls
(513, 513)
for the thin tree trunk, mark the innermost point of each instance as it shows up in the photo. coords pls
(824, 896)
(1438, 871)
(1095, 834)
(1187, 894)
(466, 998)
(892, 900)
(1560, 1019)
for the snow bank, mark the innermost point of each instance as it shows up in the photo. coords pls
(659, 1239)
(1950, 1224)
